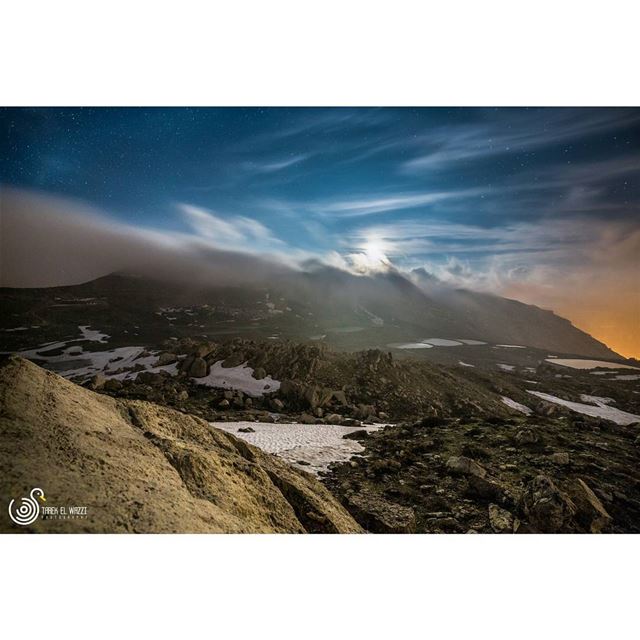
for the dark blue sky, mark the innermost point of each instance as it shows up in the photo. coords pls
(538, 204)
(429, 186)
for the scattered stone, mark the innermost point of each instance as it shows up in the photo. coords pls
(333, 418)
(259, 373)
(501, 520)
(548, 509)
(246, 430)
(97, 381)
(356, 435)
(306, 418)
(198, 368)
(460, 465)
(113, 384)
(234, 360)
(165, 359)
(591, 513)
(485, 489)
(224, 404)
(377, 515)
(560, 457)
(527, 437)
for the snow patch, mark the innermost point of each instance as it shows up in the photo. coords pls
(92, 335)
(443, 342)
(516, 405)
(465, 364)
(578, 363)
(316, 444)
(239, 378)
(600, 411)
(505, 367)
(409, 345)
(597, 400)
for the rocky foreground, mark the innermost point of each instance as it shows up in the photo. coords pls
(529, 475)
(141, 467)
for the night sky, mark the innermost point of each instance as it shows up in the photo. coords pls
(537, 204)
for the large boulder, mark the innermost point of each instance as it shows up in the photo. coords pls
(547, 508)
(141, 467)
(590, 512)
(198, 368)
(234, 360)
(500, 519)
(463, 466)
(378, 515)
(166, 358)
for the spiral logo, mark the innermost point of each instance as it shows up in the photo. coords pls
(29, 510)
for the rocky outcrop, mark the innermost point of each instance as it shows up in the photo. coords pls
(547, 508)
(140, 467)
(590, 511)
(378, 515)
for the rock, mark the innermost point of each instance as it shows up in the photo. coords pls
(356, 435)
(234, 360)
(306, 418)
(383, 416)
(97, 381)
(259, 373)
(166, 358)
(317, 396)
(246, 430)
(333, 418)
(224, 404)
(203, 349)
(141, 467)
(277, 404)
(560, 457)
(365, 411)
(112, 384)
(377, 515)
(151, 378)
(485, 489)
(548, 509)
(340, 397)
(460, 465)
(591, 513)
(527, 436)
(183, 395)
(186, 363)
(198, 368)
(501, 520)
(318, 412)
(248, 403)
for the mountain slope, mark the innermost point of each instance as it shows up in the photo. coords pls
(139, 467)
(350, 312)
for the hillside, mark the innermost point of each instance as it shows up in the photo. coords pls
(347, 312)
(140, 467)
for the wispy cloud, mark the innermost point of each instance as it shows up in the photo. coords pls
(519, 132)
(275, 165)
(230, 231)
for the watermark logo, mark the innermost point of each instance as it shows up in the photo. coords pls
(29, 509)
